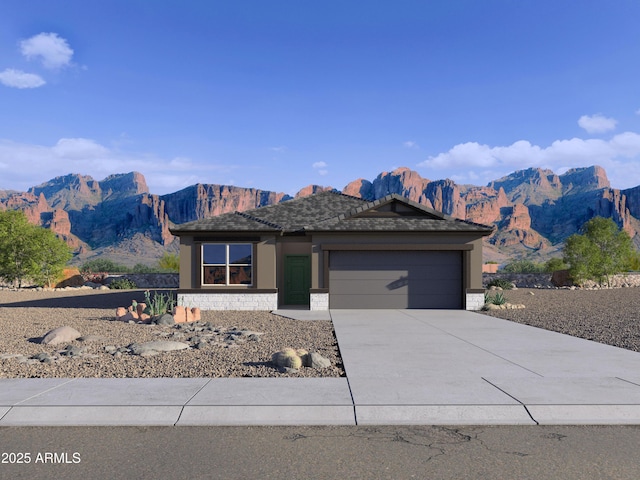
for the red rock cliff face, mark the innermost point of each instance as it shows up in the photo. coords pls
(203, 201)
(38, 212)
(531, 208)
(32, 205)
(444, 196)
(312, 190)
(360, 188)
(484, 204)
(402, 181)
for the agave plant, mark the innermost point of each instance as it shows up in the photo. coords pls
(159, 304)
(499, 299)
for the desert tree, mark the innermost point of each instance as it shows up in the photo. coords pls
(29, 252)
(601, 250)
(51, 257)
(170, 262)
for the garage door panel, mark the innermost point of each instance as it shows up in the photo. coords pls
(408, 279)
(395, 301)
(363, 260)
(396, 275)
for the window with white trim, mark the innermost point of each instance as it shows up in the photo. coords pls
(227, 264)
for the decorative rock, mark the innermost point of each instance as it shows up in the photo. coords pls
(165, 319)
(318, 361)
(180, 314)
(71, 351)
(126, 315)
(156, 346)
(92, 338)
(186, 315)
(60, 335)
(6, 356)
(42, 357)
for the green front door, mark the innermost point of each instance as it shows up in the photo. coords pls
(297, 279)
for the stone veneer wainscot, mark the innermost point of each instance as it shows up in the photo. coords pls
(229, 301)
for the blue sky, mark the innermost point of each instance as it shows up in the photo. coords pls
(281, 94)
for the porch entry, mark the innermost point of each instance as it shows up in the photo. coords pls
(297, 279)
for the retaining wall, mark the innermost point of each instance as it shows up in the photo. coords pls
(148, 280)
(543, 280)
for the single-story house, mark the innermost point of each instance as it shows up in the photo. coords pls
(331, 250)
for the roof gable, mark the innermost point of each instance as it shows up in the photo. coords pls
(395, 206)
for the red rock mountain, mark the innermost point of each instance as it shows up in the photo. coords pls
(533, 210)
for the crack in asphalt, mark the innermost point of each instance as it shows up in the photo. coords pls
(438, 440)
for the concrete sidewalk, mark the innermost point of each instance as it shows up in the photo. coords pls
(403, 367)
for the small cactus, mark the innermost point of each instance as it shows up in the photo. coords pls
(287, 358)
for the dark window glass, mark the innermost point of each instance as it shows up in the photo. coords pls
(239, 275)
(215, 275)
(214, 254)
(240, 254)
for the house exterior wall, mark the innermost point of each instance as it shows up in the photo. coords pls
(270, 251)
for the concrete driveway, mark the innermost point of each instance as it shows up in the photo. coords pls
(459, 367)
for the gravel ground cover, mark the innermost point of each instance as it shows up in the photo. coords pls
(605, 316)
(26, 315)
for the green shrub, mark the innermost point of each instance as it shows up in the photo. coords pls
(555, 264)
(122, 284)
(159, 304)
(633, 264)
(500, 283)
(524, 266)
(103, 265)
(142, 268)
(170, 262)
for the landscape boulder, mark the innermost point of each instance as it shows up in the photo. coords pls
(165, 319)
(294, 359)
(186, 315)
(315, 360)
(155, 347)
(60, 335)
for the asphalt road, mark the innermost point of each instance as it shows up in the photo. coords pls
(389, 452)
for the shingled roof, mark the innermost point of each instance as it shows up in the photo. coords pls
(331, 211)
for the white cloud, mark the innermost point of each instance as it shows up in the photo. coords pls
(19, 79)
(26, 165)
(411, 144)
(53, 51)
(321, 168)
(479, 163)
(280, 149)
(79, 149)
(597, 123)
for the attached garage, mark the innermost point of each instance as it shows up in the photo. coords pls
(396, 279)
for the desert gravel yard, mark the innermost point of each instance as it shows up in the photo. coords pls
(605, 316)
(25, 316)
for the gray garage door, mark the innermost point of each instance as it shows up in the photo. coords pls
(392, 279)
